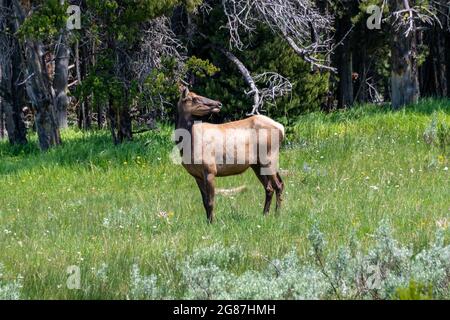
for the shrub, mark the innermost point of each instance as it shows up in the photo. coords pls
(9, 290)
(388, 270)
(143, 287)
(437, 133)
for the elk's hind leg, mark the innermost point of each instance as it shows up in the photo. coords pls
(267, 188)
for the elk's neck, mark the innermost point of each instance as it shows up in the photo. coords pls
(185, 122)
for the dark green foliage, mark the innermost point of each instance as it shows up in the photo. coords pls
(123, 18)
(200, 68)
(45, 22)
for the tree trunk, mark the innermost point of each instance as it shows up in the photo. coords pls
(2, 120)
(112, 116)
(84, 62)
(81, 111)
(125, 127)
(101, 115)
(433, 72)
(60, 80)
(120, 122)
(344, 62)
(440, 65)
(119, 110)
(12, 93)
(442, 45)
(41, 96)
(447, 54)
(361, 64)
(404, 73)
(13, 111)
(39, 89)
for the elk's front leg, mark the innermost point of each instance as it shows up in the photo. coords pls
(210, 192)
(202, 186)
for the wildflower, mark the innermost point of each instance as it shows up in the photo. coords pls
(442, 223)
(163, 214)
(166, 215)
(105, 222)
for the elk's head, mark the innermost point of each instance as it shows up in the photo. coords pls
(192, 104)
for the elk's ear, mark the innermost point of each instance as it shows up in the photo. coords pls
(184, 91)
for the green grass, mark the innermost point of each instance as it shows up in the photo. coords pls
(89, 202)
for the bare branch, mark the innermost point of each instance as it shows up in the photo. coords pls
(276, 85)
(257, 101)
(158, 41)
(297, 21)
(410, 17)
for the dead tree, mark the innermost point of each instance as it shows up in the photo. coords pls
(157, 42)
(406, 17)
(404, 73)
(60, 80)
(298, 22)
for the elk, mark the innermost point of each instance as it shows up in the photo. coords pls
(210, 150)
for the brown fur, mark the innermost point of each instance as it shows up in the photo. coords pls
(192, 105)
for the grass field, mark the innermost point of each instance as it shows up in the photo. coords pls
(105, 208)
